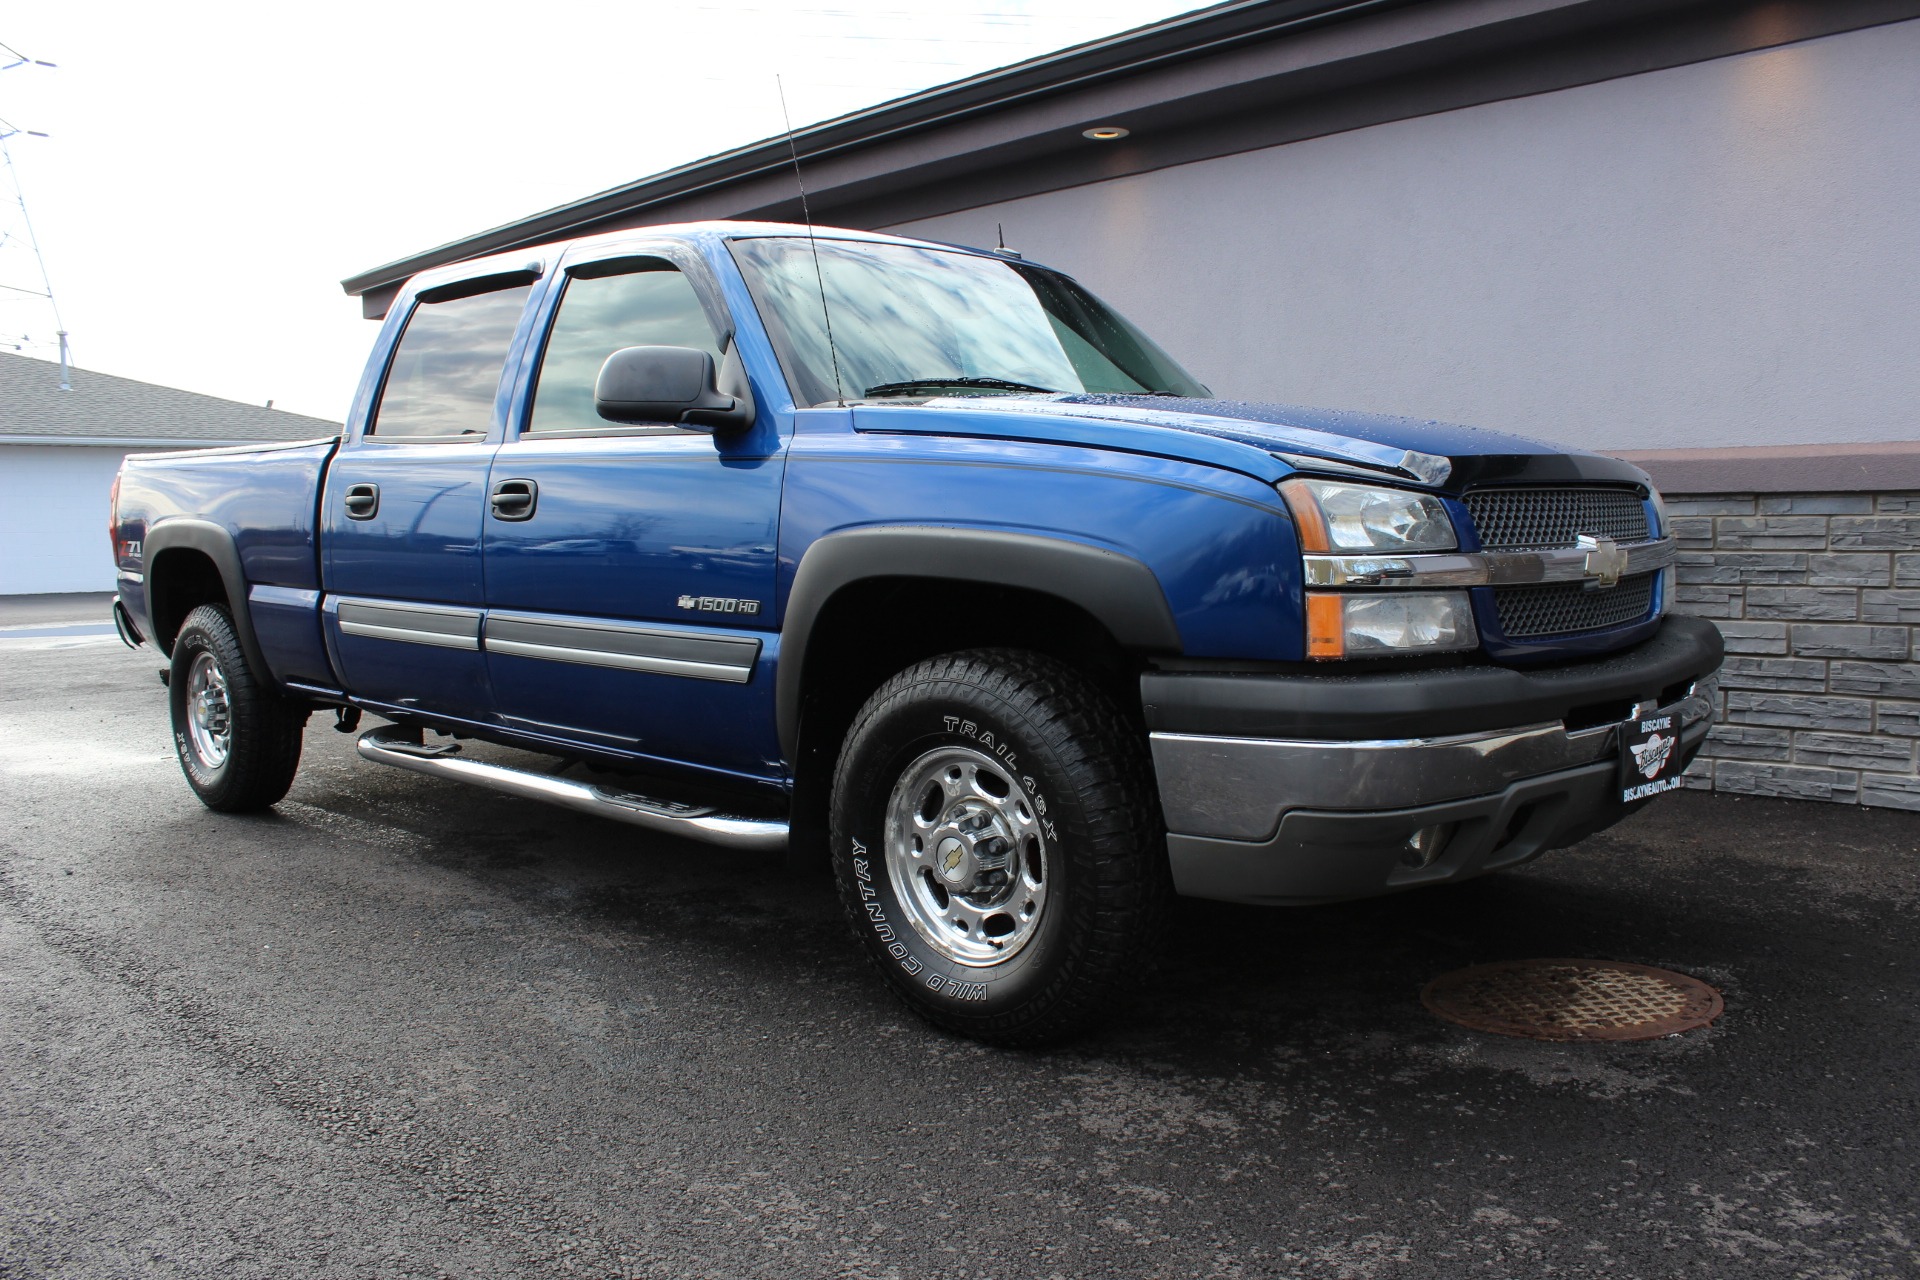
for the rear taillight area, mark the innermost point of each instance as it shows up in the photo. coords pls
(113, 518)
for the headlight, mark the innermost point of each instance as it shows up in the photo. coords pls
(1354, 625)
(1336, 516)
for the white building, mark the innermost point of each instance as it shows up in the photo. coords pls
(59, 451)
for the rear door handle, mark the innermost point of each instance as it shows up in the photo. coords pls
(362, 501)
(515, 499)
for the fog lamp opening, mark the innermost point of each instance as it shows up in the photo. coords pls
(1424, 847)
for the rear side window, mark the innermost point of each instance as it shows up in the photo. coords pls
(446, 369)
(646, 304)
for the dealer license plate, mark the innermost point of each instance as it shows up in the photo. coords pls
(1649, 755)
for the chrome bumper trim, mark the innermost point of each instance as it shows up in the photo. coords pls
(1240, 788)
(1478, 568)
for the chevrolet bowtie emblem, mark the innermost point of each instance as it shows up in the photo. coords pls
(1605, 560)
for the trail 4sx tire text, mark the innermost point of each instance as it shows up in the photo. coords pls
(997, 847)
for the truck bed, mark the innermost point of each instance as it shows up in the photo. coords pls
(266, 499)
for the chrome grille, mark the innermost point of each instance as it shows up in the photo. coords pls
(1563, 608)
(1515, 519)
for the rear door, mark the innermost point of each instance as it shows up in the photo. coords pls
(630, 600)
(404, 502)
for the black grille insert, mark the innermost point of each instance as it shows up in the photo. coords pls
(1563, 608)
(1516, 519)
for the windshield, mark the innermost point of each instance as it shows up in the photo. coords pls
(911, 321)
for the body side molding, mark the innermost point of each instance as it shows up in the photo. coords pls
(597, 642)
(442, 626)
(1120, 592)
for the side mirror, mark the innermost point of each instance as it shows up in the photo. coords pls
(673, 384)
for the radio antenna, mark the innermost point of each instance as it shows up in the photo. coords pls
(833, 357)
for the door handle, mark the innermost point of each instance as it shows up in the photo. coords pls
(362, 501)
(514, 499)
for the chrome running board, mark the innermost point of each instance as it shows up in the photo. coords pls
(389, 745)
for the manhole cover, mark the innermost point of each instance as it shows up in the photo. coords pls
(1573, 1000)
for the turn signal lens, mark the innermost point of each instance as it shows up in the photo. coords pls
(1335, 516)
(1326, 626)
(1373, 626)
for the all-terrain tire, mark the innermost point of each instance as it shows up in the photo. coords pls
(238, 738)
(964, 753)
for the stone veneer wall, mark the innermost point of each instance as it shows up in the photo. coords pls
(1818, 596)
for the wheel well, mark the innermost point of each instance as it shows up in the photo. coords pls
(871, 629)
(178, 582)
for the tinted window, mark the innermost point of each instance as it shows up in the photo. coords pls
(913, 321)
(447, 367)
(651, 305)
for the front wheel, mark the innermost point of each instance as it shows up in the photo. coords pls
(997, 845)
(237, 737)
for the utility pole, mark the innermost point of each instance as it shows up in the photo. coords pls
(9, 130)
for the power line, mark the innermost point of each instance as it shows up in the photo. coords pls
(20, 59)
(10, 130)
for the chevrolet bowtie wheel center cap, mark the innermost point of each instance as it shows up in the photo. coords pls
(953, 861)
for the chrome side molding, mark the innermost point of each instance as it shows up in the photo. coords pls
(442, 626)
(389, 745)
(1483, 568)
(624, 646)
(589, 642)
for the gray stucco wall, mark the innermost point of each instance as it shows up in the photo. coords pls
(1720, 254)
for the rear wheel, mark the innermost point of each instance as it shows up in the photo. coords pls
(997, 845)
(238, 738)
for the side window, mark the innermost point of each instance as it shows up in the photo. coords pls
(649, 304)
(447, 366)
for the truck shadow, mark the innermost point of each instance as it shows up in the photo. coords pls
(1233, 979)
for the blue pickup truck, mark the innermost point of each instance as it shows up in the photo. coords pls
(922, 561)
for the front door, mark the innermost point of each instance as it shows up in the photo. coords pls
(630, 586)
(401, 515)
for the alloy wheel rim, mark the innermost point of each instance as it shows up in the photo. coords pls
(966, 856)
(209, 717)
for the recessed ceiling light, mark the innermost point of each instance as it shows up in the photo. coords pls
(1105, 133)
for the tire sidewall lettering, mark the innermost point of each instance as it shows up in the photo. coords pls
(876, 913)
(893, 942)
(190, 643)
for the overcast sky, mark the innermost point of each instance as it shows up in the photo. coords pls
(213, 170)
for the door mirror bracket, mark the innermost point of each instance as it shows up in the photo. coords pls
(674, 384)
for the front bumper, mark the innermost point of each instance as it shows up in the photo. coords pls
(1291, 817)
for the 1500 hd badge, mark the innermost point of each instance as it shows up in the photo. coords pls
(719, 604)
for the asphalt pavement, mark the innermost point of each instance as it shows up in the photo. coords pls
(401, 1028)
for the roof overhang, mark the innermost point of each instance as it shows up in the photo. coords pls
(1233, 78)
(133, 442)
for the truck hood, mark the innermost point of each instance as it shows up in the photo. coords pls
(1265, 440)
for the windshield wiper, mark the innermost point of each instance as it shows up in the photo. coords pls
(930, 384)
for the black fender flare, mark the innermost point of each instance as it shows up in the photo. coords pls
(1119, 592)
(216, 543)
